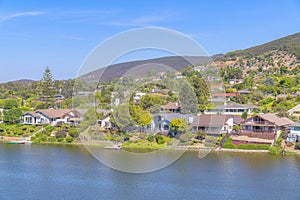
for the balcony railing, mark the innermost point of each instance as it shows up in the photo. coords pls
(258, 131)
(258, 123)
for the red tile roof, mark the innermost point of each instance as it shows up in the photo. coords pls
(224, 95)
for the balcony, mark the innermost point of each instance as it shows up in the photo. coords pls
(259, 123)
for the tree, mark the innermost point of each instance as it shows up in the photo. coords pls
(178, 124)
(244, 115)
(200, 93)
(147, 101)
(140, 117)
(47, 87)
(12, 115)
(10, 103)
(121, 118)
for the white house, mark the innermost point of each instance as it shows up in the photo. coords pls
(104, 122)
(232, 108)
(294, 133)
(138, 96)
(52, 117)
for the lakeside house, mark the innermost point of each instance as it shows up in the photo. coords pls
(265, 126)
(52, 117)
(215, 124)
(294, 134)
(232, 108)
(104, 122)
(161, 122)
(171, 107)
(295, 112)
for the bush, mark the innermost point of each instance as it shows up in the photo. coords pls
(278, 142)
(228, 144)
(49, 128)
(51, 139)
(61, 134)
(160, 139)
(274, 150)
(60, 139)
(69, 139)
(297, 145)
(150, 137)
(73, 132)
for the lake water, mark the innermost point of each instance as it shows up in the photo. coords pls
(70, 172)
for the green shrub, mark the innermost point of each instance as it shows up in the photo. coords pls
(49, 128)
(228, 144)
(160, 139)
(51, 139)
(73, 132)
(60, 139)
(278, 142)
(274, 150)
(150, 137)
(297, 145)
(69, 139)
(20, 132)
(61, 134)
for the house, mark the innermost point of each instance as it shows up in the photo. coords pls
(295, 112)
(232, 108)
(171, 107)
(265, 126)
(215, 124)
(58, 97)
(235, 81)
(138, 96)
(161, 122)
(227, 96)
(294, 134)
(52, 117)
(104, 122)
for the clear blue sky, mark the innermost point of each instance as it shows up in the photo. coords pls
(60, 34)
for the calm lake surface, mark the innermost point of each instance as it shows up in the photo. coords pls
(70, 172)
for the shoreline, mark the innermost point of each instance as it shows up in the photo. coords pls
(5, 139)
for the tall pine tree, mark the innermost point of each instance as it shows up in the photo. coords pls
(47, 88)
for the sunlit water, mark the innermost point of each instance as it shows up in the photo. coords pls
(70, 172)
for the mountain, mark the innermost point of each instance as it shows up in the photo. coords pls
(278, 57)
(275, 54)
(118, 70)
(289, 44)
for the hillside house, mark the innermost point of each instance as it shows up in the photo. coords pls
(171, 107)
(232, 108)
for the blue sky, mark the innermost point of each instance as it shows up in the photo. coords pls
(60, 34)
